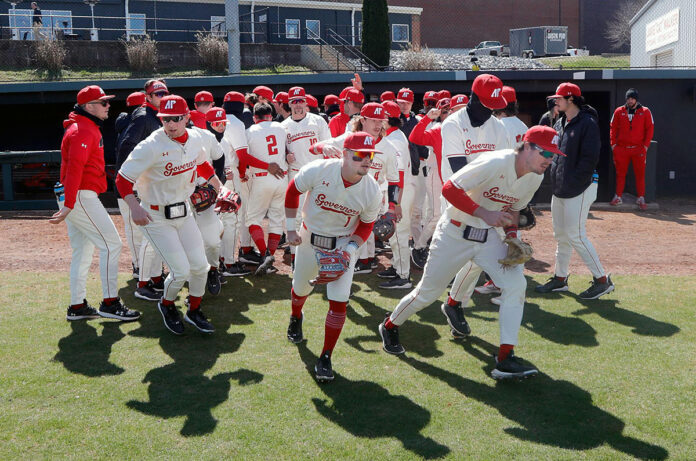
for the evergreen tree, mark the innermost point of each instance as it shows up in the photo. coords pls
(376, 39)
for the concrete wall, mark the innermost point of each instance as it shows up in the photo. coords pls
(683, 50)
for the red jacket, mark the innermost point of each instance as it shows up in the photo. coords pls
(431, 137)
(632, 131)
(337, 125)
(82, 158)
(198, 119)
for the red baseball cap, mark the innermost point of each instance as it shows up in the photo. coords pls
(204, 96)
(216, 114)
(355, 96)
(296, 92)
(234, 96)
(489, 90)
(430, 96)
(312, 101)
(444, 94)
(373, 110)
(360, 142)
(92, 93)
(566, 89)
(392, 109)
(330, 99)
(156, 86)
(281, 98)
(544, 137)
(172, 105)
(443, 103)
(404, 95)
(459, 100)
(387, 96)
(264, 92)
(344, 91)
(509, 94)
(135, 99)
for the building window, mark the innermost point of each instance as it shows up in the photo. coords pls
(136, 24)
(313, 28)
(217, 26)
(292, 28)
(399, 32)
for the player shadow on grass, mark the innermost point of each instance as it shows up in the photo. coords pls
(550, 412)
(366, 409)
(421, 339)
(86, 353)
(640, 324)
(183, 389)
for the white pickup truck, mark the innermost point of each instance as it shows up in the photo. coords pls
(490, 48)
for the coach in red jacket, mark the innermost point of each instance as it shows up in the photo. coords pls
(631, 132)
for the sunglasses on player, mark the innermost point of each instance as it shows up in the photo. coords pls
(101, 103)
(359, 156)
(160, 94)
(218, 124)
(542, 152)
(298, 101)
(173, 118)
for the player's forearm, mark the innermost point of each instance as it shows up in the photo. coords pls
(459, 199)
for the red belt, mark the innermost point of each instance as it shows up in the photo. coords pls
(154, 207)
(456, 223)
(260, 174)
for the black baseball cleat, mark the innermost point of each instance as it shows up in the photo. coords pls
(265, 267)
(322, 370)
(85, 312)
(396, 284)
(552, 285)
(419, 256)
(172, 318)
(455, 319)
(362, 268)
(213, 283)
(388, 274)
(235, 270)
(197, 319)
(117, 310)
(159, 286)
(136, 271)
(252, 258)
(295, 330)
(390, 339)
(511, 368)
(598, 289)
(147, 292)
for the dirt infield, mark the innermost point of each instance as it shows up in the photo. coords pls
(653, 242)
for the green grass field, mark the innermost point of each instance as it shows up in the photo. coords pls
(616, 382)
(589, 62)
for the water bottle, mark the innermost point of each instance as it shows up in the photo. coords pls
(595, 177)
(59, 190)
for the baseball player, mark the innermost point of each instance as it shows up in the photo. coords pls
(352, 101)
(203, 102)
(574, 190)
(331, 105)
(485, 194)
(82, 179)
(632, 128)
(514, 126)
(164, 168)
(387, 96)
(281, 105)
(303, 129)
(267, 185)
(428, 133)
(342, 203)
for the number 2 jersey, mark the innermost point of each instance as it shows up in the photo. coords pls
(267, 143)
(331, 209)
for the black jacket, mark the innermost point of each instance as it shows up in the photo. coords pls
(417, 152)
(143, 122)
(581, 143)
(121, 123)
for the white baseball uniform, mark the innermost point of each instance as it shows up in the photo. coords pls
(432, 208)
(235, 135)
(492, 182)
(267, 142)
(330, 210)
(515, 129)
(231, 221)
(164, 173)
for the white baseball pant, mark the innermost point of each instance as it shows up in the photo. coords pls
(268, 194)
(465, 281)
(418, 183)
(211, 229)
(133, 235)
(433, 208)
(569, 216)
(89, 226)
(401, 260)
(449, 251)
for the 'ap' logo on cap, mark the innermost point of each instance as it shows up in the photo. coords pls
(496, 93)
(378, 111)
(219, 114)
(297, 91)
(169, 104)
(368, 141)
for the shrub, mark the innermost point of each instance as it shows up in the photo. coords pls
(141, 54)
(419, 59)
(50, 56)
(376, 37)
(212, 52)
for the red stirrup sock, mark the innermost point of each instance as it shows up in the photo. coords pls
(335, 319)
(257, 236)
(297, 304)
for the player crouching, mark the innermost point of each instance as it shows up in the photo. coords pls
(487, 193)
(342, 203)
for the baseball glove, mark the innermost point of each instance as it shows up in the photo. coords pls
(527, 219)
(228, 202)
(385, 227)
(203, 197)
(518, 252)
(332, 265)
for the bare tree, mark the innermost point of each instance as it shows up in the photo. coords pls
(618, 31)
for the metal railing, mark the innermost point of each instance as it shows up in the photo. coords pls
(352, 52)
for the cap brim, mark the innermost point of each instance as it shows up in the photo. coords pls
(555, 96)
(403, 100)
(495, 104)
(364, 149)
(555, 150)
(160, 114)
(107, 96)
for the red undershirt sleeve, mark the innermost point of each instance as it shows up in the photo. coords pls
(317, 148)
(459, 198)
(292, 196)
(364, 230)
(250, 160)
(205, 170)
(124, 186)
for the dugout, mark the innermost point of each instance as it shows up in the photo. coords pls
(33, 113)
